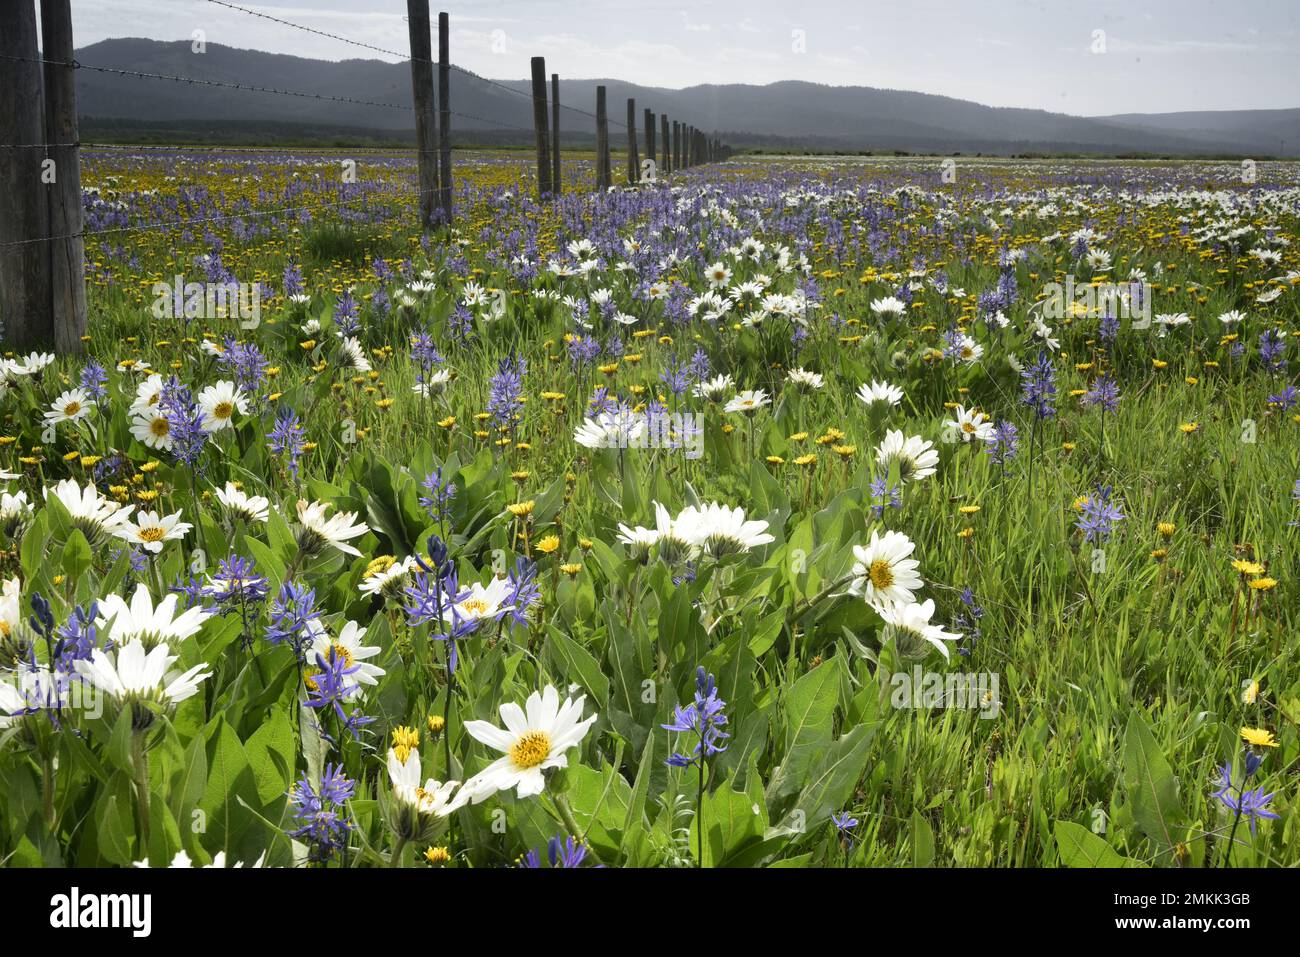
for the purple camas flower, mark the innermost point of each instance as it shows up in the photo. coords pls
(320, 814)
(245, 362)
(438, 495)
(292, 280)
(675, 376)
(236, 584)
(288, 439)
(699, 366)
(1252, 804)
(1104, 392)
(77, 637)
(295, 619)
(1099, 516)
(184, 420)
(560, 852)
(505, 390)
(345, 314)
(424, 354)
(93, 380)
(1038, 386)
(1005, 443)
(705, 718)
(1272, 348)
(1109, 329)
(1285, 399)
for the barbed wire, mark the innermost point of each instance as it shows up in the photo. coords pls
(250, 88)
(402, 56)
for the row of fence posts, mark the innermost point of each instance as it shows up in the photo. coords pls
(674, 146)
(669, 148)
(42, 283)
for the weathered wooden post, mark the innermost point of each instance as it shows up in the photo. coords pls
(650, 136)
(602, 141)
(25, 284)
(555, 134)
(665, 164)
(633, 164)
(677, 144)
(67, 256)
(426, 124)
(444, 115)
(539, 128)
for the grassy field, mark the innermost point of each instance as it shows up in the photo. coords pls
(780, 513)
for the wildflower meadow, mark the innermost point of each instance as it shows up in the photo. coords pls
(785, 513)
(388, 483)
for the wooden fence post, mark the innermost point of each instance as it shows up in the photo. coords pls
(539, 128)
(67, 256)
(602, 141)
(555, 134)
(444, 115)
(650, 136)
(633, 164)
(25, 285)
(677, 145)
(665, 164)
(426, 127)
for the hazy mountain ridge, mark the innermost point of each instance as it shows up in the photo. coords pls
(787, 112)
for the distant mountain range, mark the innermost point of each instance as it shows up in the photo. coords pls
(784, 115)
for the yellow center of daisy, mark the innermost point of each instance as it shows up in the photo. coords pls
(154, 533)
(530, 749)
(5, 629)
(71, 409)
(474, 606)
(967, 427)
(160, 427)
(881, 574)
(223, 410)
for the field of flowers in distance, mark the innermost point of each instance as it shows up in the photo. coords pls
(782, 512)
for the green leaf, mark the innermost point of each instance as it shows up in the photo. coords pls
(922, 841)
(1079, 847)
(228, 777)
(271, 755)
(831, 783)
(810, 711)
(1151, 786)
(579, 665)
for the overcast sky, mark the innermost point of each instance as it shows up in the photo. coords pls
(1086, 58)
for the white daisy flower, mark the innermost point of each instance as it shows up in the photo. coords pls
(805, 381)
(219, 403)
(748, 402)
(874, 392)
(71, 406)
(238, 504)
(969, 425)
(428, 797)
(883, 573)
(348, 647)
(916, 457)
(386, 576)
(909, 626)
(720, 530)
(130, 675)
(715, 389)
(149, 530)
(319, 531)
(95, 515)
(153, 429)
(888, 308)
(145, 623)
(483, 601)
(535, 738)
